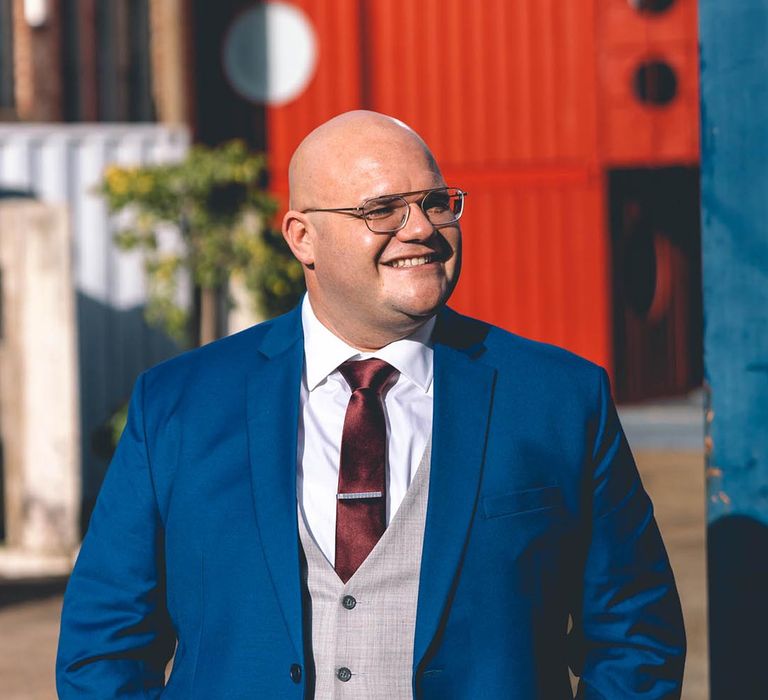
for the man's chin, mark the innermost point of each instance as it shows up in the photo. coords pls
(421, 312)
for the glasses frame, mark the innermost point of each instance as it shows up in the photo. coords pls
(357, 212)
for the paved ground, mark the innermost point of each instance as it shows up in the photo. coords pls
(675, 481)
(670, 424)
(674, 478)
(28, 649)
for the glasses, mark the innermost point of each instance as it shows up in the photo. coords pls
(389, 213)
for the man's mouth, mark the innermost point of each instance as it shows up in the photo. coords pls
(412, 262)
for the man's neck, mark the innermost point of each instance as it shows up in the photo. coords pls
(367, 339)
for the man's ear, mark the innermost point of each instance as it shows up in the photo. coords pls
(298, 234)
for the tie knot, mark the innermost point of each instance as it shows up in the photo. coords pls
(367, 374)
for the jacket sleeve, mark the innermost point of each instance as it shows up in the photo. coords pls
(116, 638)
(627, 639)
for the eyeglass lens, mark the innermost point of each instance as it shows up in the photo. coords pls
(385, 214)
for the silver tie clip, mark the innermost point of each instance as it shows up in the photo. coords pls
(361, 494)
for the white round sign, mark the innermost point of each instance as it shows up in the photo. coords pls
(270, 53)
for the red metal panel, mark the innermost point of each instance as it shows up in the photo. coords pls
(535, 255)
(490, 82)
(335, 87)
(634, 133)
(631, 132)
(621, 24)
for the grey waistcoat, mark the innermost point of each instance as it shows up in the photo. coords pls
(363, 631)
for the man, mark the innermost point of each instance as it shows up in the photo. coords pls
(372, 496)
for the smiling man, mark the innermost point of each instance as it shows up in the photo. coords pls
(377, 267)
(372, 497)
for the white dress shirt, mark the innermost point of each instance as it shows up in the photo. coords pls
(324, 398)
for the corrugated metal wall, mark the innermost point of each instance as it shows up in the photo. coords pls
(497, 84)
(64, 164)
(535, 257)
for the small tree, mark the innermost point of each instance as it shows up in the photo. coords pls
(216, 199)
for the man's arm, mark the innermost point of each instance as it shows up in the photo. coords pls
(116, 637)
(628, 637)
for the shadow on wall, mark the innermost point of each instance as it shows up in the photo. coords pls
(114, 347)
(738, 611)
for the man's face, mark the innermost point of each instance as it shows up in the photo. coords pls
(358, 277)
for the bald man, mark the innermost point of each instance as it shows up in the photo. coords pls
(372, 497)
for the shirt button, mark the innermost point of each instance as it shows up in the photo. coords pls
(296, 673)
(348, 602)
(343, 674)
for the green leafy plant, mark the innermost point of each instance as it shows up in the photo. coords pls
(216, 199)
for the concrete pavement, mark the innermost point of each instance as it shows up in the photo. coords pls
(28, 634)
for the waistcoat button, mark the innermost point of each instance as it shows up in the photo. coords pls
(348, 602)
(344, 674)
(296, 673)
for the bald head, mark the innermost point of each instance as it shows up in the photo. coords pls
(367, 287)
(349, 142)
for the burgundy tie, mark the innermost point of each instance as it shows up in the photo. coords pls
(361, 501)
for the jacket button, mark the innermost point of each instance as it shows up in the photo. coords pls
(348, 602)
(296, 673)
(343, 674)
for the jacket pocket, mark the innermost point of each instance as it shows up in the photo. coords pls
(522, 501)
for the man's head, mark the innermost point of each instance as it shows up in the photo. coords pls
(355, 283)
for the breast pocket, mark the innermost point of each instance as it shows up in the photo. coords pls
(519, 502)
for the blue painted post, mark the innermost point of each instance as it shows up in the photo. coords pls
(734, 186)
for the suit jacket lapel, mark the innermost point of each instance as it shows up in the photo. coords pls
(463, 396)
(273, 416)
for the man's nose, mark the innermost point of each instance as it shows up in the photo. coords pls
(418, 227)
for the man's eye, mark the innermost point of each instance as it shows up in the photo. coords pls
(437, 203)
(381, 210)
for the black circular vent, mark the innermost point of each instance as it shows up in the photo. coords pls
(652, 7)
(655, 83)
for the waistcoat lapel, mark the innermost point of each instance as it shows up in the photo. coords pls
(274, 385)
(463, 397)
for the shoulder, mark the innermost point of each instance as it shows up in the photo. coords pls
(222, 361)
(527, 363)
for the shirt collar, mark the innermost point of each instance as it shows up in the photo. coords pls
(324, 351)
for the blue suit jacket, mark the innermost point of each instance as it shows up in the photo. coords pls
(536, 514)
